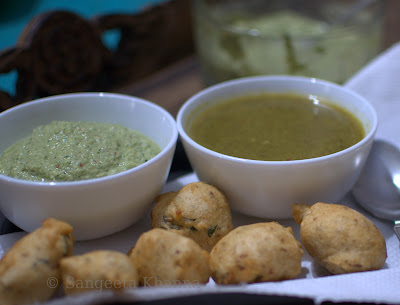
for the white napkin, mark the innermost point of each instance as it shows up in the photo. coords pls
(378, 82)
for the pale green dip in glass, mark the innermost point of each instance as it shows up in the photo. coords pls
(69, 151)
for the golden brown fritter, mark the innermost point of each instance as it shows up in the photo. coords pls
(165, 258)
(258, 252)
(29, 271)
(198, 211)
(98, 270)
(339, 238)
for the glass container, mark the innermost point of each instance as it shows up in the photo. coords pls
(330, 39)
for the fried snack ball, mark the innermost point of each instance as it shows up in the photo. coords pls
(165, 258)
(258, 252)
(198, 211)
(29, 271)
(339, 238)
(98, 270)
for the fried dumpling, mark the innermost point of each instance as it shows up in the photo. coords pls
(98, 270)
(198, 210)
(164, 258)
(30, 271)
(339, 238)
(258, 252)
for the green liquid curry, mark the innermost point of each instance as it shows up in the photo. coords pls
(275, 127)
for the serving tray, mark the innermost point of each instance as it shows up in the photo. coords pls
(314, 283)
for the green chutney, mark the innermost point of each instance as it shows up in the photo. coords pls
(275, 127)
(69, 151)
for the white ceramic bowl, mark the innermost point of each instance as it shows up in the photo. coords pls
(94, 207)
(269, 188)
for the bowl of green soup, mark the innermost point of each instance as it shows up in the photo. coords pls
(94, 160)
(271, 141)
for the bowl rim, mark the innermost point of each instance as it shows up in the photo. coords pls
(55, 98)
(282, 78)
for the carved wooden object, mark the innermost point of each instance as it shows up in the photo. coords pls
(60, 52)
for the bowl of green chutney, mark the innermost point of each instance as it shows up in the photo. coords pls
(94, 160)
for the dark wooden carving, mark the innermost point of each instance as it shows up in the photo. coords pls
(60, 52)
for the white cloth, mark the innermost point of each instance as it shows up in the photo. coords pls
(379, 83)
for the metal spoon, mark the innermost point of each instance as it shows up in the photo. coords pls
(378, 188)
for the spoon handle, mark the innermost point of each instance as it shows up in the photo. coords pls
(397, 228)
